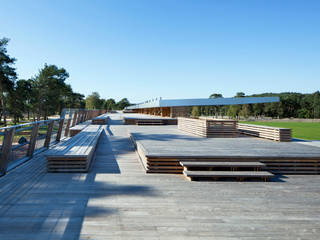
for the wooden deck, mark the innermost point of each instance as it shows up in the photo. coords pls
(117, 200)
(162, 148)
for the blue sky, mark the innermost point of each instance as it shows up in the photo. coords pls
(169, 48)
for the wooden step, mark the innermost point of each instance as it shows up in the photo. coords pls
(196, 175)
(149, 122)
(221, 164)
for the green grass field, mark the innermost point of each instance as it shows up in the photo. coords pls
(302, 130)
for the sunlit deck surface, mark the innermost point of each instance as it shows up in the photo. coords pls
(117, 200)
(168, 141)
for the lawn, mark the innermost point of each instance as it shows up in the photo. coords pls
(302, 130)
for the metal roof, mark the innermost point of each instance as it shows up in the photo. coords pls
(155, 103)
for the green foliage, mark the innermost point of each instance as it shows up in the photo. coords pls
(110, 104)
(240, 94)
(195, 111)
(50, 89)
(316, 104)
(216, 95)
(7, 75)
(93, 101)
(18, 100)
(291, 105)
(123, 103)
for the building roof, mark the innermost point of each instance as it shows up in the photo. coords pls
(158, 102)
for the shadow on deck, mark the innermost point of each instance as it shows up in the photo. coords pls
(54, 205)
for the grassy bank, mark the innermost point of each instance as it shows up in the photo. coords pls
(302, 130)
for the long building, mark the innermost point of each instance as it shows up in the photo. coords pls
(181, 107)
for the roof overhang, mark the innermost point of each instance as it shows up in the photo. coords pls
(156, 103)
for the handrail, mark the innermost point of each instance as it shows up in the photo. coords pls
(68, 118)
(29, 123)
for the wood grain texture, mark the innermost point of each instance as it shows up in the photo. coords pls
(118, 200)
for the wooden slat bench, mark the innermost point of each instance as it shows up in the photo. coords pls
(78, 128)
(240, 175)
(272, 133)
(76, 153)
(100, 120)
(149, 122)
(214, 165)
(208, 127)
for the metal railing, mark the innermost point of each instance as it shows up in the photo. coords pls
(20, 142)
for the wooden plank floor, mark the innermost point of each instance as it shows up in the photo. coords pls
(117, 200)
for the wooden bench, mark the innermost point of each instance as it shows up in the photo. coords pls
(100, 120)
(149, 122)
(76, 153)
(240, 175)
(272, 133)
(78, 128)
(233, 166)
(209, 128)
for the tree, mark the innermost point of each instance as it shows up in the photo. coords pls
(51, 87)
(233, 111)
(93, 101)
(240, 94)
(316, 104)
(123, 103)
(110, 104)
(215, 95)
(7, 76)
(195, 111)
(75, 100)
(19, 99)
(214, 110)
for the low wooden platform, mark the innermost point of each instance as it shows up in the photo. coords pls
(208, 165)
(150, 122)
(78, 128)
(135, 119)
(214, 175)
(74, 154)
(100, 120)
(208, 127)
(217, 170)
(272, 133)
(161, 149)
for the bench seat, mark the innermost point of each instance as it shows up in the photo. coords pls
(78, 128)
(100, 120)
(272, 133)
(76, 153)
(221, 164)
(197, 175)
(149, 122)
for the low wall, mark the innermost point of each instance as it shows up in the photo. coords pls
(272, 133)
(208, 127)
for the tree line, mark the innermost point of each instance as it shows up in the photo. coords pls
(291, 105)
(94, 101)
(44, 94)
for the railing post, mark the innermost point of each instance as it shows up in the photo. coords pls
(74, 118)
(33, 139)
(6, 150)
(60, 129)
(85, 115)
(82, 116)
(66, 132)
(79, 117)
(48, 136)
